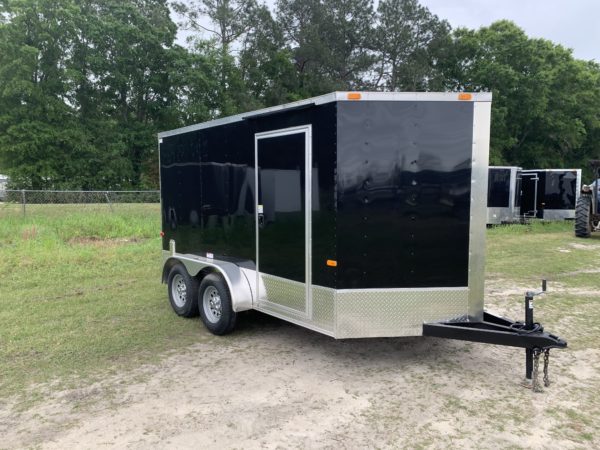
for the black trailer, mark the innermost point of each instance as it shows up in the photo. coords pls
(352, 214)
(504, 194)
(550, 194)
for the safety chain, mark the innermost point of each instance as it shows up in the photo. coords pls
(535, 382)
(546, 364)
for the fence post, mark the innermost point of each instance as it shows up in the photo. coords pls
(108, 201)
(23, 200)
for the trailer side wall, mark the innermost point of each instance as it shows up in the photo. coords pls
(207, 189)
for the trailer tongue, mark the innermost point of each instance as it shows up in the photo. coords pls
(496, 330)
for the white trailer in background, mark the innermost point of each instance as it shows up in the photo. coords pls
(504, 194)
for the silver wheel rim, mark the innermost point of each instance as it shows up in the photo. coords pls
(179, 290)
(211, 302)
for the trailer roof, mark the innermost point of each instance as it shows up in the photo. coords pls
(505, 167)
(341, 96)
(551, 170)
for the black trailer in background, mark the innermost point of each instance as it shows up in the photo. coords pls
(504, 195)
(550, 194)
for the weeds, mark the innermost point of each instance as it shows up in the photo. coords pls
(80, 294)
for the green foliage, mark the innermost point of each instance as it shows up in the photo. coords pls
(410, 41)
(330, 42)
(545, 106)
(71, 294)
(85, 85)
(265, 62)
(230, 21)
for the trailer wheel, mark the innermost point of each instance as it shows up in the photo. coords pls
(183, 290)
(214, 303)
(583, 224)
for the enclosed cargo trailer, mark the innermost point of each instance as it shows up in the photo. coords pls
(504, 194)
(351, 214)
(355, 202)
(550, 194)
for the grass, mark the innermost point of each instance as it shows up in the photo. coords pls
(522, 255)
(542, 250)
(80, 292)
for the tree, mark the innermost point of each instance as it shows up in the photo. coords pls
(86, 85)
(40, 144)
(265, 62)
(195, 83)
(545, 102)
(132, 44)
(330, 42)
(410, 42)
(226, 22)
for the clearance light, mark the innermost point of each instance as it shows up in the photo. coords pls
(354, 96)
(331, 263)
(162, 234)
(465, 96)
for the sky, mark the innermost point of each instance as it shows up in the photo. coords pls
(575, 24)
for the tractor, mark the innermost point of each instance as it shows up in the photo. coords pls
(587, 209)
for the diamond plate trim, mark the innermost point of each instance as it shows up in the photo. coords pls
(323, 307)
(285, 293)
(402, 312)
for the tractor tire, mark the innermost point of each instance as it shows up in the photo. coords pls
(583, 222)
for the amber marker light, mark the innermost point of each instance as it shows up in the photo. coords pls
(465, 96)
(331, 263)
(354, 96)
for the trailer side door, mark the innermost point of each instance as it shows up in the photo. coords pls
(283, 211)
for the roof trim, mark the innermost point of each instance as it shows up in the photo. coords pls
(505, 167)
(333, 97)
(550, 170)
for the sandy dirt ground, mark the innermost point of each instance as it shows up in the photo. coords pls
(275, 385)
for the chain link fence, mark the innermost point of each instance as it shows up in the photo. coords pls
(28, 202)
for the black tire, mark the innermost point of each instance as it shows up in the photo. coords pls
(183, 291)
(220, 318)
(583, 211)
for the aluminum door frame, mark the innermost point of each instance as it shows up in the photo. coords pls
(307, 131)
